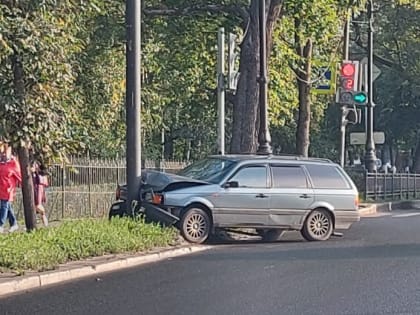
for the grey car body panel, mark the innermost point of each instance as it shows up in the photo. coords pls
(285, 208)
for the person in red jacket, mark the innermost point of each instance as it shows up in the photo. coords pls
(10, 178)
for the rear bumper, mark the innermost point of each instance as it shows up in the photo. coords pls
(345, 218)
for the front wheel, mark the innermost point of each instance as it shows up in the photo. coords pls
(195, 225)
(318, 226)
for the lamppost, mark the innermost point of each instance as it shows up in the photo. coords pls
(370, 157)
(264, 137)
(132, 102)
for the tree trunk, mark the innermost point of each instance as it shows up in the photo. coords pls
(244, 134)
(304, 88)
(23, 152)
(27, 188)
(245, 103)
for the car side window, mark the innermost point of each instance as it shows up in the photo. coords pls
(327, 177)
(251, 176)
(289, 177)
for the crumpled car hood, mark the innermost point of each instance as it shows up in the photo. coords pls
(159, 181)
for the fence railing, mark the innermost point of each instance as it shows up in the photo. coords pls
(86, 187)
(381, 186)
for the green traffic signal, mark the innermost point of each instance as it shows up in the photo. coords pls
(360, 98)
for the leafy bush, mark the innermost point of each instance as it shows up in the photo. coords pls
(45, 249)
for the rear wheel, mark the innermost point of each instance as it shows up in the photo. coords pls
(270, 235)
(195, 225)
(318, 226)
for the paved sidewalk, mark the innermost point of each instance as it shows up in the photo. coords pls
(11, 283)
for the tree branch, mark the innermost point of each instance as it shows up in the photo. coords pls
(376, 58)
(237, 10)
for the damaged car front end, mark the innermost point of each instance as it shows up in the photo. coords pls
(167, 198)
(153, 187)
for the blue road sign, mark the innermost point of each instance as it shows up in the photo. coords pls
(326, 81)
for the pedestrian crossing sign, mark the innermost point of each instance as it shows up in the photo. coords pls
(325, 81)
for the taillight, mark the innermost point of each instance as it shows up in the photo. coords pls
(157, 199)
(356, 201)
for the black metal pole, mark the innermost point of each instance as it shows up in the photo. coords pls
(370, 157)
(264, 137)
(133, 106)
(343, 121)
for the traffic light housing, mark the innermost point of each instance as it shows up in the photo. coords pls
(348, 82)
(351, 115)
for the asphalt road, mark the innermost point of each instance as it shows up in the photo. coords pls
(373, 269)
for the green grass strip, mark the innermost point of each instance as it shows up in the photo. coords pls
(45, 249)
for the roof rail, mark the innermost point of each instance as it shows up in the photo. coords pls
(301, 157)
(320, 159)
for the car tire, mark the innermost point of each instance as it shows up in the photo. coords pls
(117, 210)
(195, 225)
(318, 226)
(270, 235)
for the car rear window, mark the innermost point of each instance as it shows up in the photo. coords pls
(327, 176)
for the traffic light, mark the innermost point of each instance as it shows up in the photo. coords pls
(360, 98)
(347, 84)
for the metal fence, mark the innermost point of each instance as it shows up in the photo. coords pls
(86, 187)
(381, 186)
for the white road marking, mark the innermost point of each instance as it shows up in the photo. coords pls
(405, 215)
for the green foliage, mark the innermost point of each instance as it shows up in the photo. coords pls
(322, 22)
(36, 73)
(73, 57)
(45, 249)
(397, 89)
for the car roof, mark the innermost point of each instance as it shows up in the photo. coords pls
(251, 157)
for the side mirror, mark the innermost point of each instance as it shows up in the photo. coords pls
(231, 185)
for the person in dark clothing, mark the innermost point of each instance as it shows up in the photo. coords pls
(40, 182)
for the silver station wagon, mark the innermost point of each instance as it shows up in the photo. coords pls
(270, 194)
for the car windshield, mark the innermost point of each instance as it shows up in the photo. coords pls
(210, 170)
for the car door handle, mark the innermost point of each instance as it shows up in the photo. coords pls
(261, 196)
(304, 196)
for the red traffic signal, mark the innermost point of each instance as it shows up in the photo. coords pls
(348, 69)
(347, 84)
(347, 76)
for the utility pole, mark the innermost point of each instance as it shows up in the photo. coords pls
(343, 122)
(264, 138)
(370, 157)
(133, 106)
(221, 91)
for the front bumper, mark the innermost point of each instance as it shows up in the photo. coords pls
(158, 214)
(152, 212)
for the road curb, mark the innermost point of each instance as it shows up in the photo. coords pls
(23, 283)
(368, 209)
